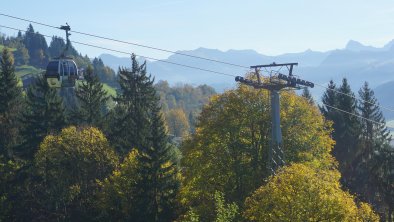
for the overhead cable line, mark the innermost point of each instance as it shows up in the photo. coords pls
(353, 114)
(130, 43)
(174, 52)
(128, 53)
(159, 60)
(179, 64)
(352, 96)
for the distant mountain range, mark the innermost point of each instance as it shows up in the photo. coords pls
(357, 62)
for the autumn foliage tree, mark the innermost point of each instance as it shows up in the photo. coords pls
(116, 200)
(228, 152)
(177, 122)
(303, 193)
(68, 166)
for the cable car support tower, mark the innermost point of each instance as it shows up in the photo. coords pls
(275, 83)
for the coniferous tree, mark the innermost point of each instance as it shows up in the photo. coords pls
(372, 133)
(10, 103)
(329, 98)
(37, 47)
(346, 126)
(159, 184)
(381, 168)
(137, 123)
(44, 114)
(329, 103)
(92, 99)
(374, 138)
(21, 55)
(56, 47)
(105, 73)
(307, 95)
(347, 132)
(130, 122)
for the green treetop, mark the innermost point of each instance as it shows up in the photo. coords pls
(10, 103)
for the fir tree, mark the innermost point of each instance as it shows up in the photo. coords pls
(347, 132)
(159, 172)
(56, 47)
(372, 133)
(346, 126)
(10, 103)
(105, 74)
(307, 95)
(21, 55)
(44, 114)
(130, 120)
(381, 170)
(92, 99)
(329, 98)
(138, 124)
(37, 47)
(374, 138)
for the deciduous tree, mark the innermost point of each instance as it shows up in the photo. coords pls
(68, 165)
(178, 124)
(303, 193)
(228, 152)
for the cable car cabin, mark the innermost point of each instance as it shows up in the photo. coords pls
(61, 72)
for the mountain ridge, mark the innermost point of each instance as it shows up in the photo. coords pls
(356, 62)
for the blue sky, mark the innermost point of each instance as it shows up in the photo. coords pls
(269, 27)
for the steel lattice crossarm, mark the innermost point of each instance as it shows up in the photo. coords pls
(275, 83)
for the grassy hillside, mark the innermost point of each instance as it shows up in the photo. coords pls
(111, 91)
(2, 47)
(25, 69)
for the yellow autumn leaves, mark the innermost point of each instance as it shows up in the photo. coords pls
(228, 153)
(301, 192)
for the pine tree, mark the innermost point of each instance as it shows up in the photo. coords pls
(307, 95)
(130, 120)
(92, 99)
(21, 55)
(381, 169)
(44, 114)
(138, 124)
(159, 184)
(105, 74)
(346, 126)
(10, 103)
(329, 98)
(347, 132)
(56, 47)
(37, 47)
(374, 138)
(372, 133)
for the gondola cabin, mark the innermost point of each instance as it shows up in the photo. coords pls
(61, 72)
